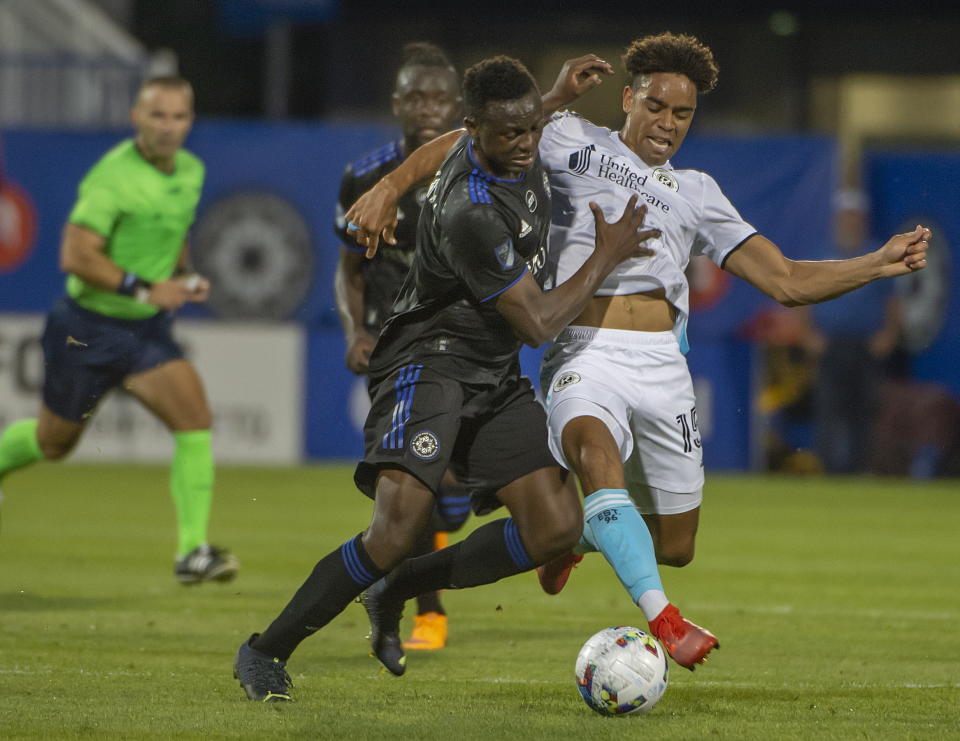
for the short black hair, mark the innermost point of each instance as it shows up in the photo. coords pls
(496, 78)
(424, 54)
(669, 52)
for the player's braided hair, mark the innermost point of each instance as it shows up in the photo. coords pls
(424, 54)
(496, 78)
(670, 52)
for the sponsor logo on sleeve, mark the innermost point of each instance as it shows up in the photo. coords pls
(531, 201)
(506, 255)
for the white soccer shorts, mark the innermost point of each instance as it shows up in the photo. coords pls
(638, 384)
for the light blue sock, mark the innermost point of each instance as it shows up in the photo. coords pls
(613, 526)
(587, 543)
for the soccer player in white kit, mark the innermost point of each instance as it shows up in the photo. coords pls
(620, 401)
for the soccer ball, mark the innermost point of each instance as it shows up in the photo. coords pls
(621, 670)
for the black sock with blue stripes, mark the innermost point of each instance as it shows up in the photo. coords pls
(490, 553)
(332, 585)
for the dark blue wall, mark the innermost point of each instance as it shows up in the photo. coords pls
(910, 188)
(782, 185)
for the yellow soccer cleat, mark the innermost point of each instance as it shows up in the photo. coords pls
(429, 632)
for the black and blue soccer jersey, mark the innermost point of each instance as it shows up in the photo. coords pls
(384, 274)
(478, 235)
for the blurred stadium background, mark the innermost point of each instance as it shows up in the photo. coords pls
(813, 96)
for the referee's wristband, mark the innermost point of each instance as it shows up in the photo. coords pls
(135, 287)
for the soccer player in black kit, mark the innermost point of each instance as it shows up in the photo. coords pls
(427, 102)
(447, 389)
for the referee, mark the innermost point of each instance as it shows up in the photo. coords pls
(125, 252)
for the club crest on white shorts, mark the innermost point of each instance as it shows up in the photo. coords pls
(566, 379)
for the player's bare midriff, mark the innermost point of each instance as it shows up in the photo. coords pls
(639, 312)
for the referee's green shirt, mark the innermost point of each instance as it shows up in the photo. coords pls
(143, 213)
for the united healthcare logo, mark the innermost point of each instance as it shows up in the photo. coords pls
(579, 161)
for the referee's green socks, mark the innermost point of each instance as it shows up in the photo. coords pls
(191, 486)
(19, 446)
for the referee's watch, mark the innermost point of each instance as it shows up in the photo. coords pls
(136, 287)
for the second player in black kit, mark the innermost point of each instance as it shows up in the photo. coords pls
(448, 389)
(384, 274)
(426, 101)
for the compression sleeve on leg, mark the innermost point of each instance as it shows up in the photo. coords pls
(191, 486)
(19, 446)
(613, 524)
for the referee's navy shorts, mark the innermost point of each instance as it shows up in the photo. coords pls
(86, 354)
(423, 422)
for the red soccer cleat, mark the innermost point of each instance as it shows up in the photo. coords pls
(553, 574)
(687, 643)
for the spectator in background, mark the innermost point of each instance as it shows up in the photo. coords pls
(853, 339)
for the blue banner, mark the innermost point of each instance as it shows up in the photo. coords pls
(268, 205)
(296, 165)
(252, 17)
(910, 188)
(782, 186)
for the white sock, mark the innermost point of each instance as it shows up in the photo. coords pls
(652, 603)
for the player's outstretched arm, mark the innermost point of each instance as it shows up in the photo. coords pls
(799, 282)
(577, 76)
(537, 317)
(375, 212)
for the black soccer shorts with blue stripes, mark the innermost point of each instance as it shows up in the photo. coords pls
(423, 422)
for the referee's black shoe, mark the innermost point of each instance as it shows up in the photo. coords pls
(206, 563)
(385, 617)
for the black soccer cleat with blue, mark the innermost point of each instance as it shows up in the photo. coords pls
(385, 628)
(262, 677)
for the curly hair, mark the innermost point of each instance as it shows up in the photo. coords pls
(496, 78)
(670, 52)
(424, 54)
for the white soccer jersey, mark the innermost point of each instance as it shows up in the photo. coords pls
(587, 163)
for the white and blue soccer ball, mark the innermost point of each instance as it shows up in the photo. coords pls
(621, 670)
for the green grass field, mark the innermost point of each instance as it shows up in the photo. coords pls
(836, 602)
